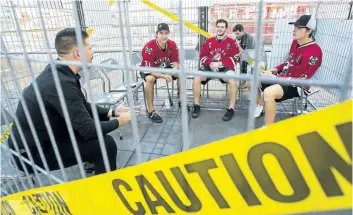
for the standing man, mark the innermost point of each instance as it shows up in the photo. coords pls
(163, 53)
(218, 54)
(305, 57)
(244, 41)
(79, 110)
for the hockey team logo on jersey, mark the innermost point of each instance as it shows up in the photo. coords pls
(237, 56)
(313, 60)
(286, 67)
(217, 57)
(163, 62)
(228, 46)
(148, 50)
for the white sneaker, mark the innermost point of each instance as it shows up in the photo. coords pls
(258, 111)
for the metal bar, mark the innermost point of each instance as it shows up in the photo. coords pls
(98, 51)
(344, 94)
(12, 177)
(262, 79)
(18, 88)
(129, 90)
(80, 14)
(128, 30)
(5, 192)
(37, 93)
(182, 79)
(255, 77)
(34, 166)
(7, 121)
(93, 106)
(58, 88)
(63, 106)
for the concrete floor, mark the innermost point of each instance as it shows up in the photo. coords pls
(163, 139)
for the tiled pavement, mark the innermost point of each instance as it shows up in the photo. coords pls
(163, 139)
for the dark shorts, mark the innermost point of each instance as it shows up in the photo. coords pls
(289, 92)
(208, 69)
(144, 75)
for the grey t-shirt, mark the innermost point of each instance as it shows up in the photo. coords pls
(247, 41)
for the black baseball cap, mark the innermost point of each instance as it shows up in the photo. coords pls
(307, 21)
(162, 26)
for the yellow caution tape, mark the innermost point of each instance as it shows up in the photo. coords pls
(90, 31)
(6, 134)
(111, 2)
(297, 165)
(31, 30)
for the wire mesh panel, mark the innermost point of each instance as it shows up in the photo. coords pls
(118, 32)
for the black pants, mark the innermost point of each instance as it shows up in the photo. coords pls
(244, 67)
(89, 150)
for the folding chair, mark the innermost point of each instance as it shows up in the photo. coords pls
(303, 101)
(102, 98)
(121, 87)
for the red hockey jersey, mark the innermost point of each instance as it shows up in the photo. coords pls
(225, 51)
(154, 56)
(303, 61)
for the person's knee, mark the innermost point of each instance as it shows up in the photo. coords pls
(150, 80)
(272, 93)
(233, 82)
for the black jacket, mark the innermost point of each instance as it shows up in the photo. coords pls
(78, 108)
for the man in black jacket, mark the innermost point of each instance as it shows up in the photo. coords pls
(79, 110)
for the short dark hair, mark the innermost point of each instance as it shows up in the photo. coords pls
(238, 27)
(311, 33)
(65, 40)
(222, 21)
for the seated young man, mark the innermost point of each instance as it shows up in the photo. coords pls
(244, 41)
(218, 54)
(304, 60)
(163, 53)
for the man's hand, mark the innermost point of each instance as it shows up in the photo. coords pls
(214, 66)
(168, 78)
(124, 118)
(267, 73)
(175, 65)
(121, 109)
(273, 70)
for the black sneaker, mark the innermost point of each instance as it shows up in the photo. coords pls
(229, 115)
(196, 111)
(187, 106)
(89, 167)
(155, 117)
